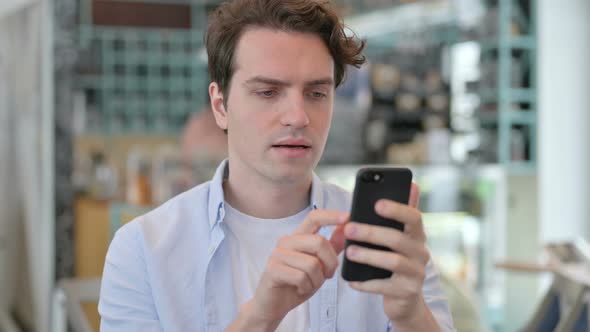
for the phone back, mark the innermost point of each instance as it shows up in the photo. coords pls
(373, 184)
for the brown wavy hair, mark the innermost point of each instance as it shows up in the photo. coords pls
(231, 19)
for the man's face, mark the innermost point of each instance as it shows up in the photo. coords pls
(280, 104)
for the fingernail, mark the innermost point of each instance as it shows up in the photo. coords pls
(380, 206)
(351, 251)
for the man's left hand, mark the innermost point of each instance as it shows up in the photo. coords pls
(402, 293)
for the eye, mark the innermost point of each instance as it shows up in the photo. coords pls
(266, 93)
(318, 95)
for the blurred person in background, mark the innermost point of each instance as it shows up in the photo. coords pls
(201, 138)
(257, 247)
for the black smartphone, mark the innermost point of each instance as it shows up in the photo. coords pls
(373, 184)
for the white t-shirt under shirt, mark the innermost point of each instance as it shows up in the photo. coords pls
(251, 241)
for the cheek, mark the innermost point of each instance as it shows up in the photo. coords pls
(248, 126)
(322, 121)
(252, 123)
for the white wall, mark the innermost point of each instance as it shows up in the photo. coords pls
(8, 211)
(564, 118)
(26, 51)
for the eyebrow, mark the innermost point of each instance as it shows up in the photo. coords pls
(272, 81)
(321, 81)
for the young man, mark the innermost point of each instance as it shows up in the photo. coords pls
(257, 248)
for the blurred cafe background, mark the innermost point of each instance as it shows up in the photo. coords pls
(104, 115)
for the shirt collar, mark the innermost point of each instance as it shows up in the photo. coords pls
(216, 198)
(216, 210)
(317, 193)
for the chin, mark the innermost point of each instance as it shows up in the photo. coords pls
(293, 173)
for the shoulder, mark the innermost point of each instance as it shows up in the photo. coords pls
(183, 215)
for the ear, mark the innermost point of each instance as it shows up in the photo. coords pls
(217, 105)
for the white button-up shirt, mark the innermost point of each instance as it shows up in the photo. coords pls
(170, 270)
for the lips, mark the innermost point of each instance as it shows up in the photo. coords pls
(293, 143)
(291, 146)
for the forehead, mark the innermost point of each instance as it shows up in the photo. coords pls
(283, 55)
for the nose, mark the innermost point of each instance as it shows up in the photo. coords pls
(294, 114)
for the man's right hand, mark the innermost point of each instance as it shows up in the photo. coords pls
(296, 269)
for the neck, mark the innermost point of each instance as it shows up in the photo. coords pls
(263, 198)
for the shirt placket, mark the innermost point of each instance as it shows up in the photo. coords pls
(328, 298)
(211, 310)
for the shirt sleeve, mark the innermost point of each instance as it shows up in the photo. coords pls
(436, 300)
(126, 302)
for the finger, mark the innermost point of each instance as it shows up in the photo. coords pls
(338, 239)
(409, 216)
(387, 288)
(387, 260)
(375, 286)
(310, 265)
(400, 212)
(319, 218)
(284, 275)
(314, 245)
(391, 238)
(400, 288)
(414, 195)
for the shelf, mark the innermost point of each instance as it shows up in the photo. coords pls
(514, 95)
(132, 33)
(435, 22)
(501, 103)
(392, 115)
(523, 117)
(523, 42)
(512, 116)
(516, 43)
(138, 83)
(144, 80)
(412, 16)
(431, 36)
(521, 167)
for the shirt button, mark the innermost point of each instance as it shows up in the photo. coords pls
(328, 312)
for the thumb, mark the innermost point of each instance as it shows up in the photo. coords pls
(338, 239)
(414, 195)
